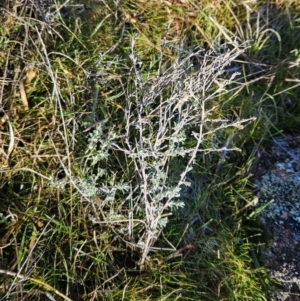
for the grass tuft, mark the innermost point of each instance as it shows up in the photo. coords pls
(128, 132)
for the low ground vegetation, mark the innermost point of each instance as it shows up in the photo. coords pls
(128, 133)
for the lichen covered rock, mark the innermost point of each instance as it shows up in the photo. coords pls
(278, 185)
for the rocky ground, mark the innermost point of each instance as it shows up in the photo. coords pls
(278, 185)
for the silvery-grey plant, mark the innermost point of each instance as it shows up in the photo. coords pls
(169, 114)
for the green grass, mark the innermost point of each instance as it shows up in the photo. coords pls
(81, 217)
